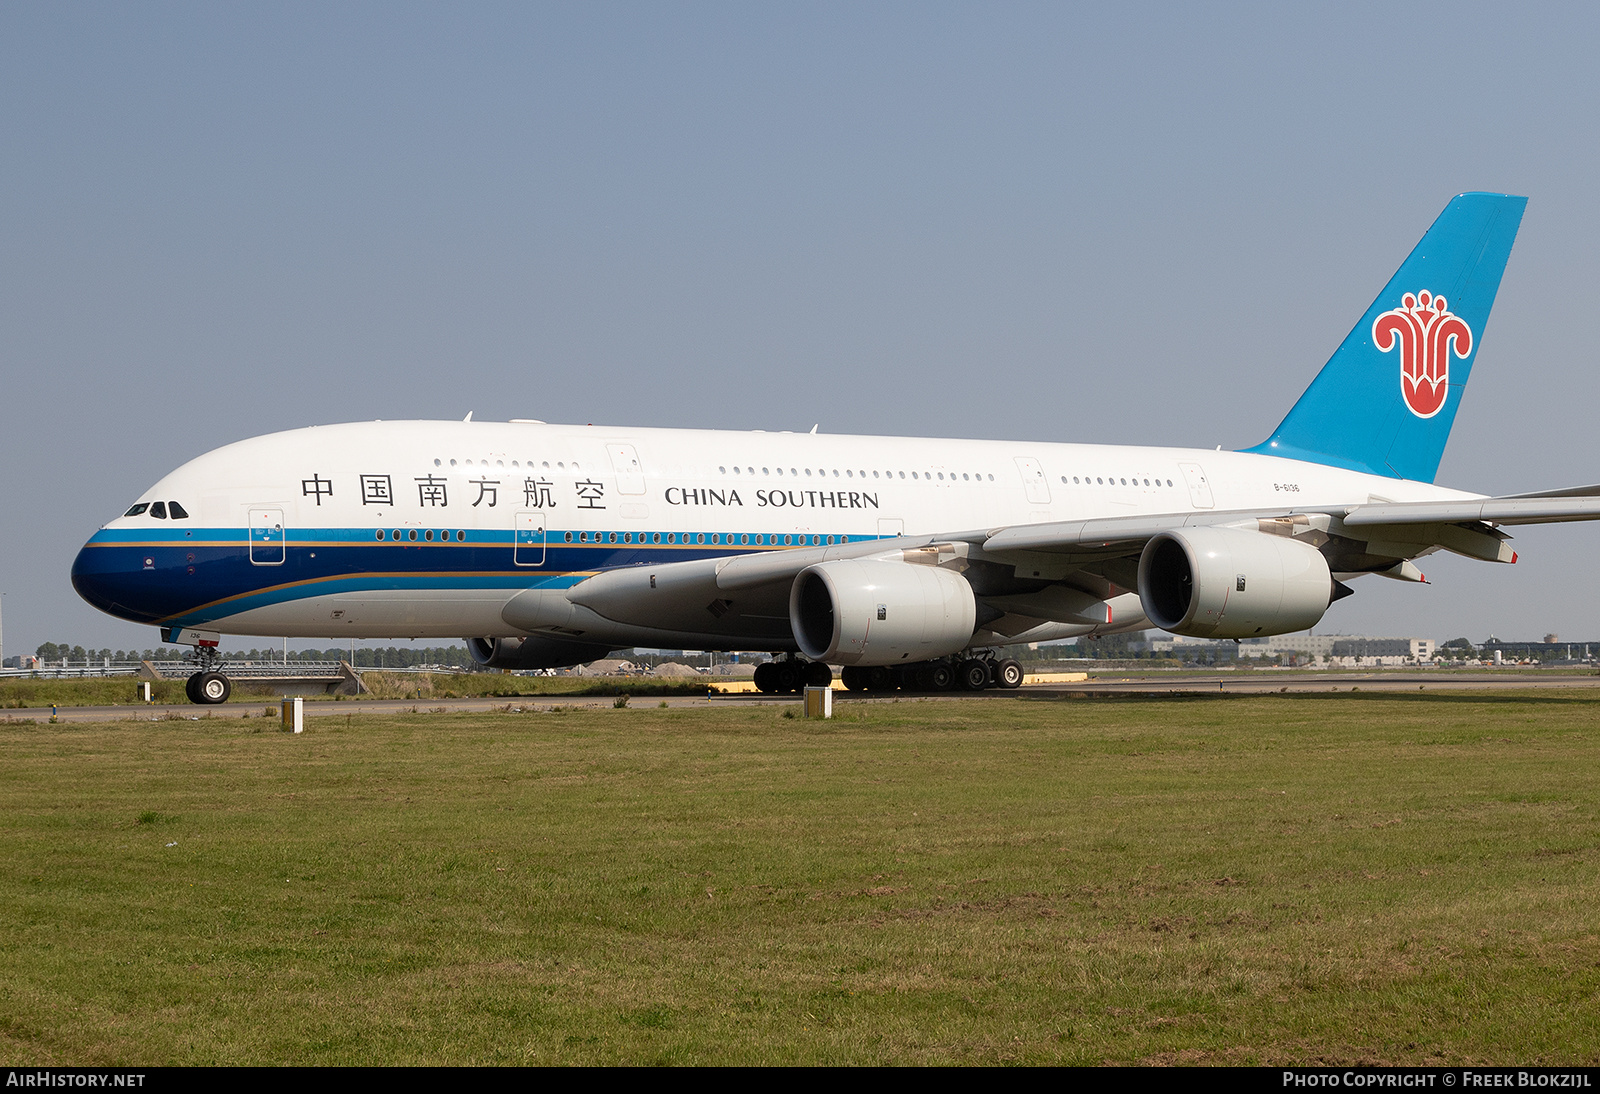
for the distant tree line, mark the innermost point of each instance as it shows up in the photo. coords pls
(391, 657)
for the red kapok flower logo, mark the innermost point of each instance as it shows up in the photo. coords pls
(1427, 332)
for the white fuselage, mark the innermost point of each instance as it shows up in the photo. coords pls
(408, 510)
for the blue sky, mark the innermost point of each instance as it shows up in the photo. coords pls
(1101, 223)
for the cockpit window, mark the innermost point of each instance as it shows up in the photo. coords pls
(137, 509)
(177, 511)
(158, 509)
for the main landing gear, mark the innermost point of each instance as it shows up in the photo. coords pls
(790, 674)
(944, 674)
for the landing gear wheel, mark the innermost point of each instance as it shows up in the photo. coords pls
(211, 688)
(787, 677)
(1008, 674)
(881, 678)
(974, 674)
(766, 677)
(941, 677)
(854, 678)
(190, 687)
(818, 675)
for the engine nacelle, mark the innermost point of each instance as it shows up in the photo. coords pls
(534, 652)
(1232, 583)
(876, 612)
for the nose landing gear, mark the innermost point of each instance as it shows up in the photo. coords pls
(207, 688)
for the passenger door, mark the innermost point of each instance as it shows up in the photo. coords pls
(266, 537)
(529, 538)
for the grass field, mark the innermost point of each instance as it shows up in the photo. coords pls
(124, 690)
(1281, 879)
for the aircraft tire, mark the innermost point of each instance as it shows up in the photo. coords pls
(1008, 674)
(854, 679)
(881, 678)
(941, 676)
(974, 674)
(787, 677)
(818, 675)
(190, 685)
(211, 688)
(765, 680)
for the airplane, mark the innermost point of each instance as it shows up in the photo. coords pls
(908, 562)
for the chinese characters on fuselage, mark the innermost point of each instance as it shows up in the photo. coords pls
(433, 491)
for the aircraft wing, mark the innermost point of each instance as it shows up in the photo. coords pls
(1371, 537)
(1401, 529)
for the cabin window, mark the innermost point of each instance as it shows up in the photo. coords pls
(566, 537)
(656, 538)
(428, 535)
(583, 537)
(380, 535)
(412, 535)
(177, 511)
(394, 534)
(137, 509)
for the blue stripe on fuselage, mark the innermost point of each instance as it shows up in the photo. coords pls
(204, 574)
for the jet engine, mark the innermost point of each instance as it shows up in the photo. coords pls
(1233, 583)
(534, 652)
(877, 612)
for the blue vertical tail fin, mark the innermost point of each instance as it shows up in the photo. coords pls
(1386, 399)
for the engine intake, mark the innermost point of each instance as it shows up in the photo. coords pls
(1232, 583)
(878, 612)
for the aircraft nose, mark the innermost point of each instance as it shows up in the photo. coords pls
(119, 579)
